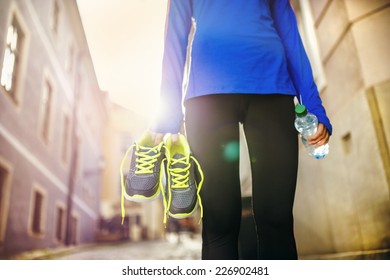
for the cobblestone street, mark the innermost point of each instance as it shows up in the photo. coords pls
(172, 248)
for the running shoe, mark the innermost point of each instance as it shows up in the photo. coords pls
(144, 179)
(184, 180)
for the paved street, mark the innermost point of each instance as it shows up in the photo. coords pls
(172, 248)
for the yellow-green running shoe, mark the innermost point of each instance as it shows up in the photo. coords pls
(184, 180)
(143, 182)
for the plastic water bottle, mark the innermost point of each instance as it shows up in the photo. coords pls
(306, 124)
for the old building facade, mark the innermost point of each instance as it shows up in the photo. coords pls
(52, 119)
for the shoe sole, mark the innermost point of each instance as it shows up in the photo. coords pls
(184, 215)
(141, 198)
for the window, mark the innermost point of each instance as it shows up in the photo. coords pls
(55, 17)
(74, 225)
(65, 139)
(3, 175)
(46, 102)
(5, 187)
(60, 224)
(37, 213)
(12, 58)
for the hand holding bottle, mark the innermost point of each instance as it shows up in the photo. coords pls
(321, 137)
(314, 135)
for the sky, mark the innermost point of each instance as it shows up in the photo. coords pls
(125, 39)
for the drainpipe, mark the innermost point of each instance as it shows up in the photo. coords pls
(74, 153)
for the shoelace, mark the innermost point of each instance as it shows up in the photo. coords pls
(180, 181)
(144, 160)
(144, 165)
(180, 175)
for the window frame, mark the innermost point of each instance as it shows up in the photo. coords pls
(60, 239)
(5, 197)
(46, 139)
(43, 212)
(75, 224)
(20, 72)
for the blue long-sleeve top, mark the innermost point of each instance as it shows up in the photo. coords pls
(239, 47)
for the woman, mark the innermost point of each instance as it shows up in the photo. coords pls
(247, 65)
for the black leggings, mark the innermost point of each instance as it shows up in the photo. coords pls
(212, 124)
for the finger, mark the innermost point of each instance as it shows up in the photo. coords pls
(318, 138)
(157, 137)
(319, 135)
(323, 141)
(175, 138)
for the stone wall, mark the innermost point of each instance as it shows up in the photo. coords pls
(343, 203)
